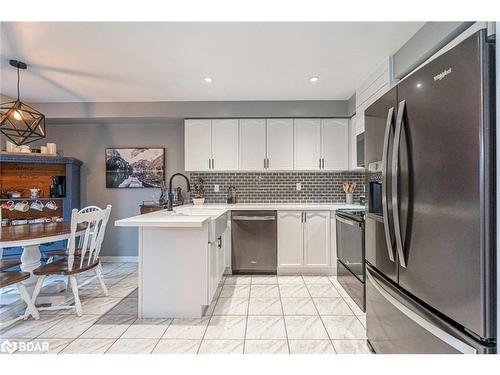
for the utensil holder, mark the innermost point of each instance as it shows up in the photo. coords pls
(349, 198)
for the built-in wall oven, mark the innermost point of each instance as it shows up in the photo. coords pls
(350, 225)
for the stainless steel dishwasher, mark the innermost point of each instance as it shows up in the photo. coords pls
(254, 242)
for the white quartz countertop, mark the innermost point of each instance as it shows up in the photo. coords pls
(187, 216)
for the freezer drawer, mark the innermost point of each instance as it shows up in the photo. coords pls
(397, 324)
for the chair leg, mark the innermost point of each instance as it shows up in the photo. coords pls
(68, 282)
(30, 309)
(74, 287)
(98, 272)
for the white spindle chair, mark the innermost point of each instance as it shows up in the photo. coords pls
(88, 258)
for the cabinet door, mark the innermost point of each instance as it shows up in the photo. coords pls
(252, 144)
(225, 145)
(353, 160)
(221, 256)
(212, 271)
(197, 145)
(317, 239)
(335, 144)
(280, 144)
(290, 239)
(307, 144)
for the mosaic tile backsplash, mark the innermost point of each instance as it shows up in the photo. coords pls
(280, 187)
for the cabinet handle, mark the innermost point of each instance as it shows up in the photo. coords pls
(213, 163)
(264, 163)
(267, 163)
(319, 163)
(209, 163)
(323, 163)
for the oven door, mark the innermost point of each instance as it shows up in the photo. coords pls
(350, 245)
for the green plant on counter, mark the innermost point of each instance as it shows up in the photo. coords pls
(199, 188)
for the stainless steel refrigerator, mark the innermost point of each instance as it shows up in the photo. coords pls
(430, 223)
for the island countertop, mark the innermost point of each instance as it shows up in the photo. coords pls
(186, 216)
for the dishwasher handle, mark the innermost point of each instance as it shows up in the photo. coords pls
(254, 218)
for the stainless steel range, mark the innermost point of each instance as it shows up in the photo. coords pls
(351, 253)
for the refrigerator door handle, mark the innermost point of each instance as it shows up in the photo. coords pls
(431, 328)
(395, 183)
(389, 237)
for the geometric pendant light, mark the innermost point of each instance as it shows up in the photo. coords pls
(19, 122)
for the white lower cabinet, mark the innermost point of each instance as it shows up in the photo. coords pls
(317, 239)
(304, 241)
(213, 278)
(221, 257)
(290, 239)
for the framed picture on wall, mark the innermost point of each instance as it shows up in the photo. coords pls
(135, 167)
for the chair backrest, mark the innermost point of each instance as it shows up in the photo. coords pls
(94, 223)
(89, 209)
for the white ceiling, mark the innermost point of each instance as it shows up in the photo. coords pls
(97, 62)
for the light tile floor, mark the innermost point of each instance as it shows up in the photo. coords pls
(249, 314)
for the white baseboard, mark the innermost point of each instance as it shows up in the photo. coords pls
(323, 271)
(107, 259)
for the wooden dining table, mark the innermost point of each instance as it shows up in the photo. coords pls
(30, 237)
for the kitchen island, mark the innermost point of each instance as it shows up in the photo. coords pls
(180, 261)
(183, 254)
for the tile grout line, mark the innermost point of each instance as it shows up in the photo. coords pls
(283, 316)
(209, 319)
(321, 318)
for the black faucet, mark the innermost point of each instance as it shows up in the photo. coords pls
(170, 194)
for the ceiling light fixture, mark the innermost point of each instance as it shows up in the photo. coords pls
(207, 79)
(19, 122)
(314, 79)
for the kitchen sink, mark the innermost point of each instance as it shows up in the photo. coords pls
(218, 219)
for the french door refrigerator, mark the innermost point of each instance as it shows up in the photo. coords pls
(430, 225)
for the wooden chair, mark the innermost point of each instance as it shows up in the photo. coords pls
(8, 278)
(75, 262)
(49, 255)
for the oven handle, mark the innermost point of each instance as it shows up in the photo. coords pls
(347, 221)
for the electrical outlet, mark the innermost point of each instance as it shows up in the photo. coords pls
(299, 186)
(216, 188)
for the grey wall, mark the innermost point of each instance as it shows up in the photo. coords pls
(87, 142)
(426, 41)
(64, 112)
(351, 105)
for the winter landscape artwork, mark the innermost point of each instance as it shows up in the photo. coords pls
(135, 167)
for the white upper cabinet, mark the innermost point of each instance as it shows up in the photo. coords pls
(334, 144)
(307, 144)
(280, 144)
(225, 145)
(272, 144)
(197, 145)
(252, 144)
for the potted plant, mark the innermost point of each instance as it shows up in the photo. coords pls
(198, 194)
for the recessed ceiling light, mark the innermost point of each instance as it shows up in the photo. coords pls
(419, 85)
(207, 79)
(314, 79)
